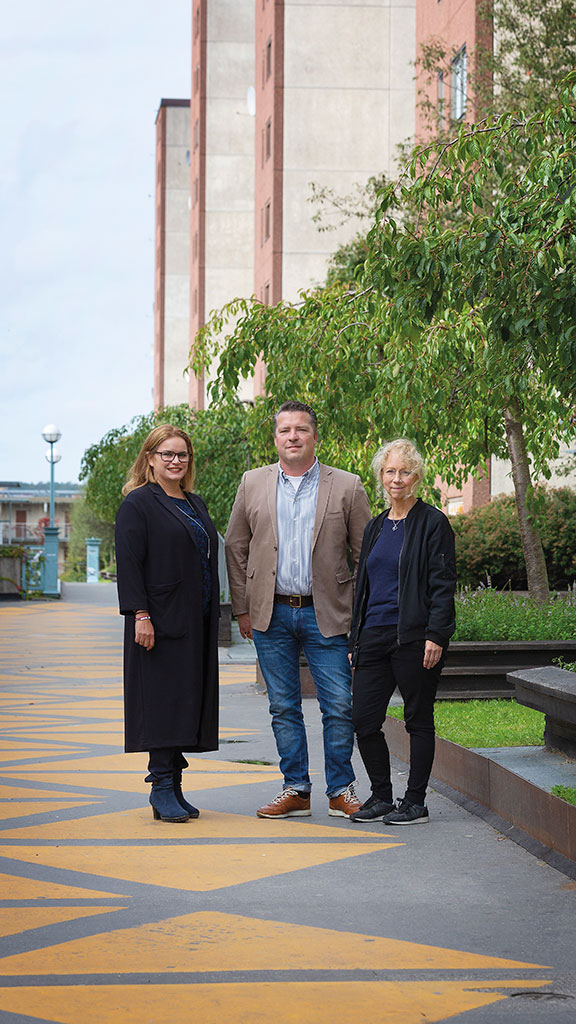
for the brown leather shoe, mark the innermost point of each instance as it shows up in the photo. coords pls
(288, 804)
(346, 804)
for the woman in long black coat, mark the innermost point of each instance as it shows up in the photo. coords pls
(167, 561)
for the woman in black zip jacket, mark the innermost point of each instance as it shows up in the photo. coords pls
(403, 619)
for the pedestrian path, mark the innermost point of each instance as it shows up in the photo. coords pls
(109, 916)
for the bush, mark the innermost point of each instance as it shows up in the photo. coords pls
(486, 614)
(488, 543)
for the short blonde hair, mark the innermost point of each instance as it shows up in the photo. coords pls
(409, 453)
(141, 472)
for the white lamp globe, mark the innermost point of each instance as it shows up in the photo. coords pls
(51, 433)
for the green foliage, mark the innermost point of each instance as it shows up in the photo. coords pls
(567, 793)
(222, 440)
(488, 542)
(568, 666)
(486, 614)
(84, 524)
(485, 723)
(12, 551)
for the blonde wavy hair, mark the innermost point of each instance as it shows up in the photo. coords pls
(408, 451)
(141, 472)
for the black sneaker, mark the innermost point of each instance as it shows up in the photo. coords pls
(373, 809)
(407, 814)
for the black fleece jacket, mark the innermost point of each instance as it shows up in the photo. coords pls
(427, 577)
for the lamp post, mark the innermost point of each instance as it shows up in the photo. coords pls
(51, 434)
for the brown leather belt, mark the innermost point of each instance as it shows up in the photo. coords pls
(293, 600)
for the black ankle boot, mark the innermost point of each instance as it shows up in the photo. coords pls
(193, 812)
(165, 805)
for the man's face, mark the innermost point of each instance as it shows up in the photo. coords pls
(295, 441)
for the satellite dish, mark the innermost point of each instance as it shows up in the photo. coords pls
(251, 100)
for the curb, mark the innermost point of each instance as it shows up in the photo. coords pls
(496, 790)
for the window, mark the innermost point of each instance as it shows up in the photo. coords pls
(268, 59)
(458, 84)
(195, 250)
(267, 221)
(196, 78)
(195, 192)
(196, 133)
(455, 506)
(441, 110)
(267, 294)
(268, 139)
(197, 22)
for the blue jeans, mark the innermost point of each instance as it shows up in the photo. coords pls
(278, 648)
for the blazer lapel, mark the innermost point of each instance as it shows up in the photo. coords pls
(172, 508)
(324, 488)
(271, 488)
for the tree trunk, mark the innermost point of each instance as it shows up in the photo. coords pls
(536, 571)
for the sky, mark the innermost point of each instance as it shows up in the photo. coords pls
(80, 87)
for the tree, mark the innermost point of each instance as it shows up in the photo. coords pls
(222, 451)
(460, 334)
(85, 524)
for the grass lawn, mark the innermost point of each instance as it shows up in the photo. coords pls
(486, 723)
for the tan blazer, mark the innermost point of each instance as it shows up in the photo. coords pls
(342, 512)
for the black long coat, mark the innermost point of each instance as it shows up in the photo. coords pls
(170, 692)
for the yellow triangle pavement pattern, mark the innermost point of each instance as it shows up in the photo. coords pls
(213, 941)
(139, 824)
(202, 870)
(137, 763)
(42, 790)
(131, 782)
(15, 920)
(25, 808)
(258, 1002)
(17, 887)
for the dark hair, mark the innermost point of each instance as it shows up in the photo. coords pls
(297, 407)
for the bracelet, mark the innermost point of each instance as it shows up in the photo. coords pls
(140, 618)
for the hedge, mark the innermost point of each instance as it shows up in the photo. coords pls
(488, 544)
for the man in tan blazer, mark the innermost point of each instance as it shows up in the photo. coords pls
(292, 547)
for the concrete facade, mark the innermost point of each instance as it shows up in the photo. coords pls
(285, 94)
(334, 98)
(172, 263)
(222, 162)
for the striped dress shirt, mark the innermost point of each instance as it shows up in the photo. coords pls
(295, 511)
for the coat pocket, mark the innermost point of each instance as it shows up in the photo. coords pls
(167, 609)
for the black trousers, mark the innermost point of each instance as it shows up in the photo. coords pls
(163, 762)
(382, 665)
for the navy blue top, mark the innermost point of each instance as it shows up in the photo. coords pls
(201, 538)
(382, 570)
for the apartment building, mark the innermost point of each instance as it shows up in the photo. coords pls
(285, 93)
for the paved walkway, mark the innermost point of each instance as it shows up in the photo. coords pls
(108, 916)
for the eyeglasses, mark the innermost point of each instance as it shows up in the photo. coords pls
(170, 456)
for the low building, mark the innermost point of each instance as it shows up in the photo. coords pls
(25, 512)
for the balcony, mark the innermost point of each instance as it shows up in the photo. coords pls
(20, 533)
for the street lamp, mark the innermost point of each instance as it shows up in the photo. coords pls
(51, 434)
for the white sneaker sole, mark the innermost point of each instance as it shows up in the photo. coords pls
(415, 821)
(338, 814)
(289, 814)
